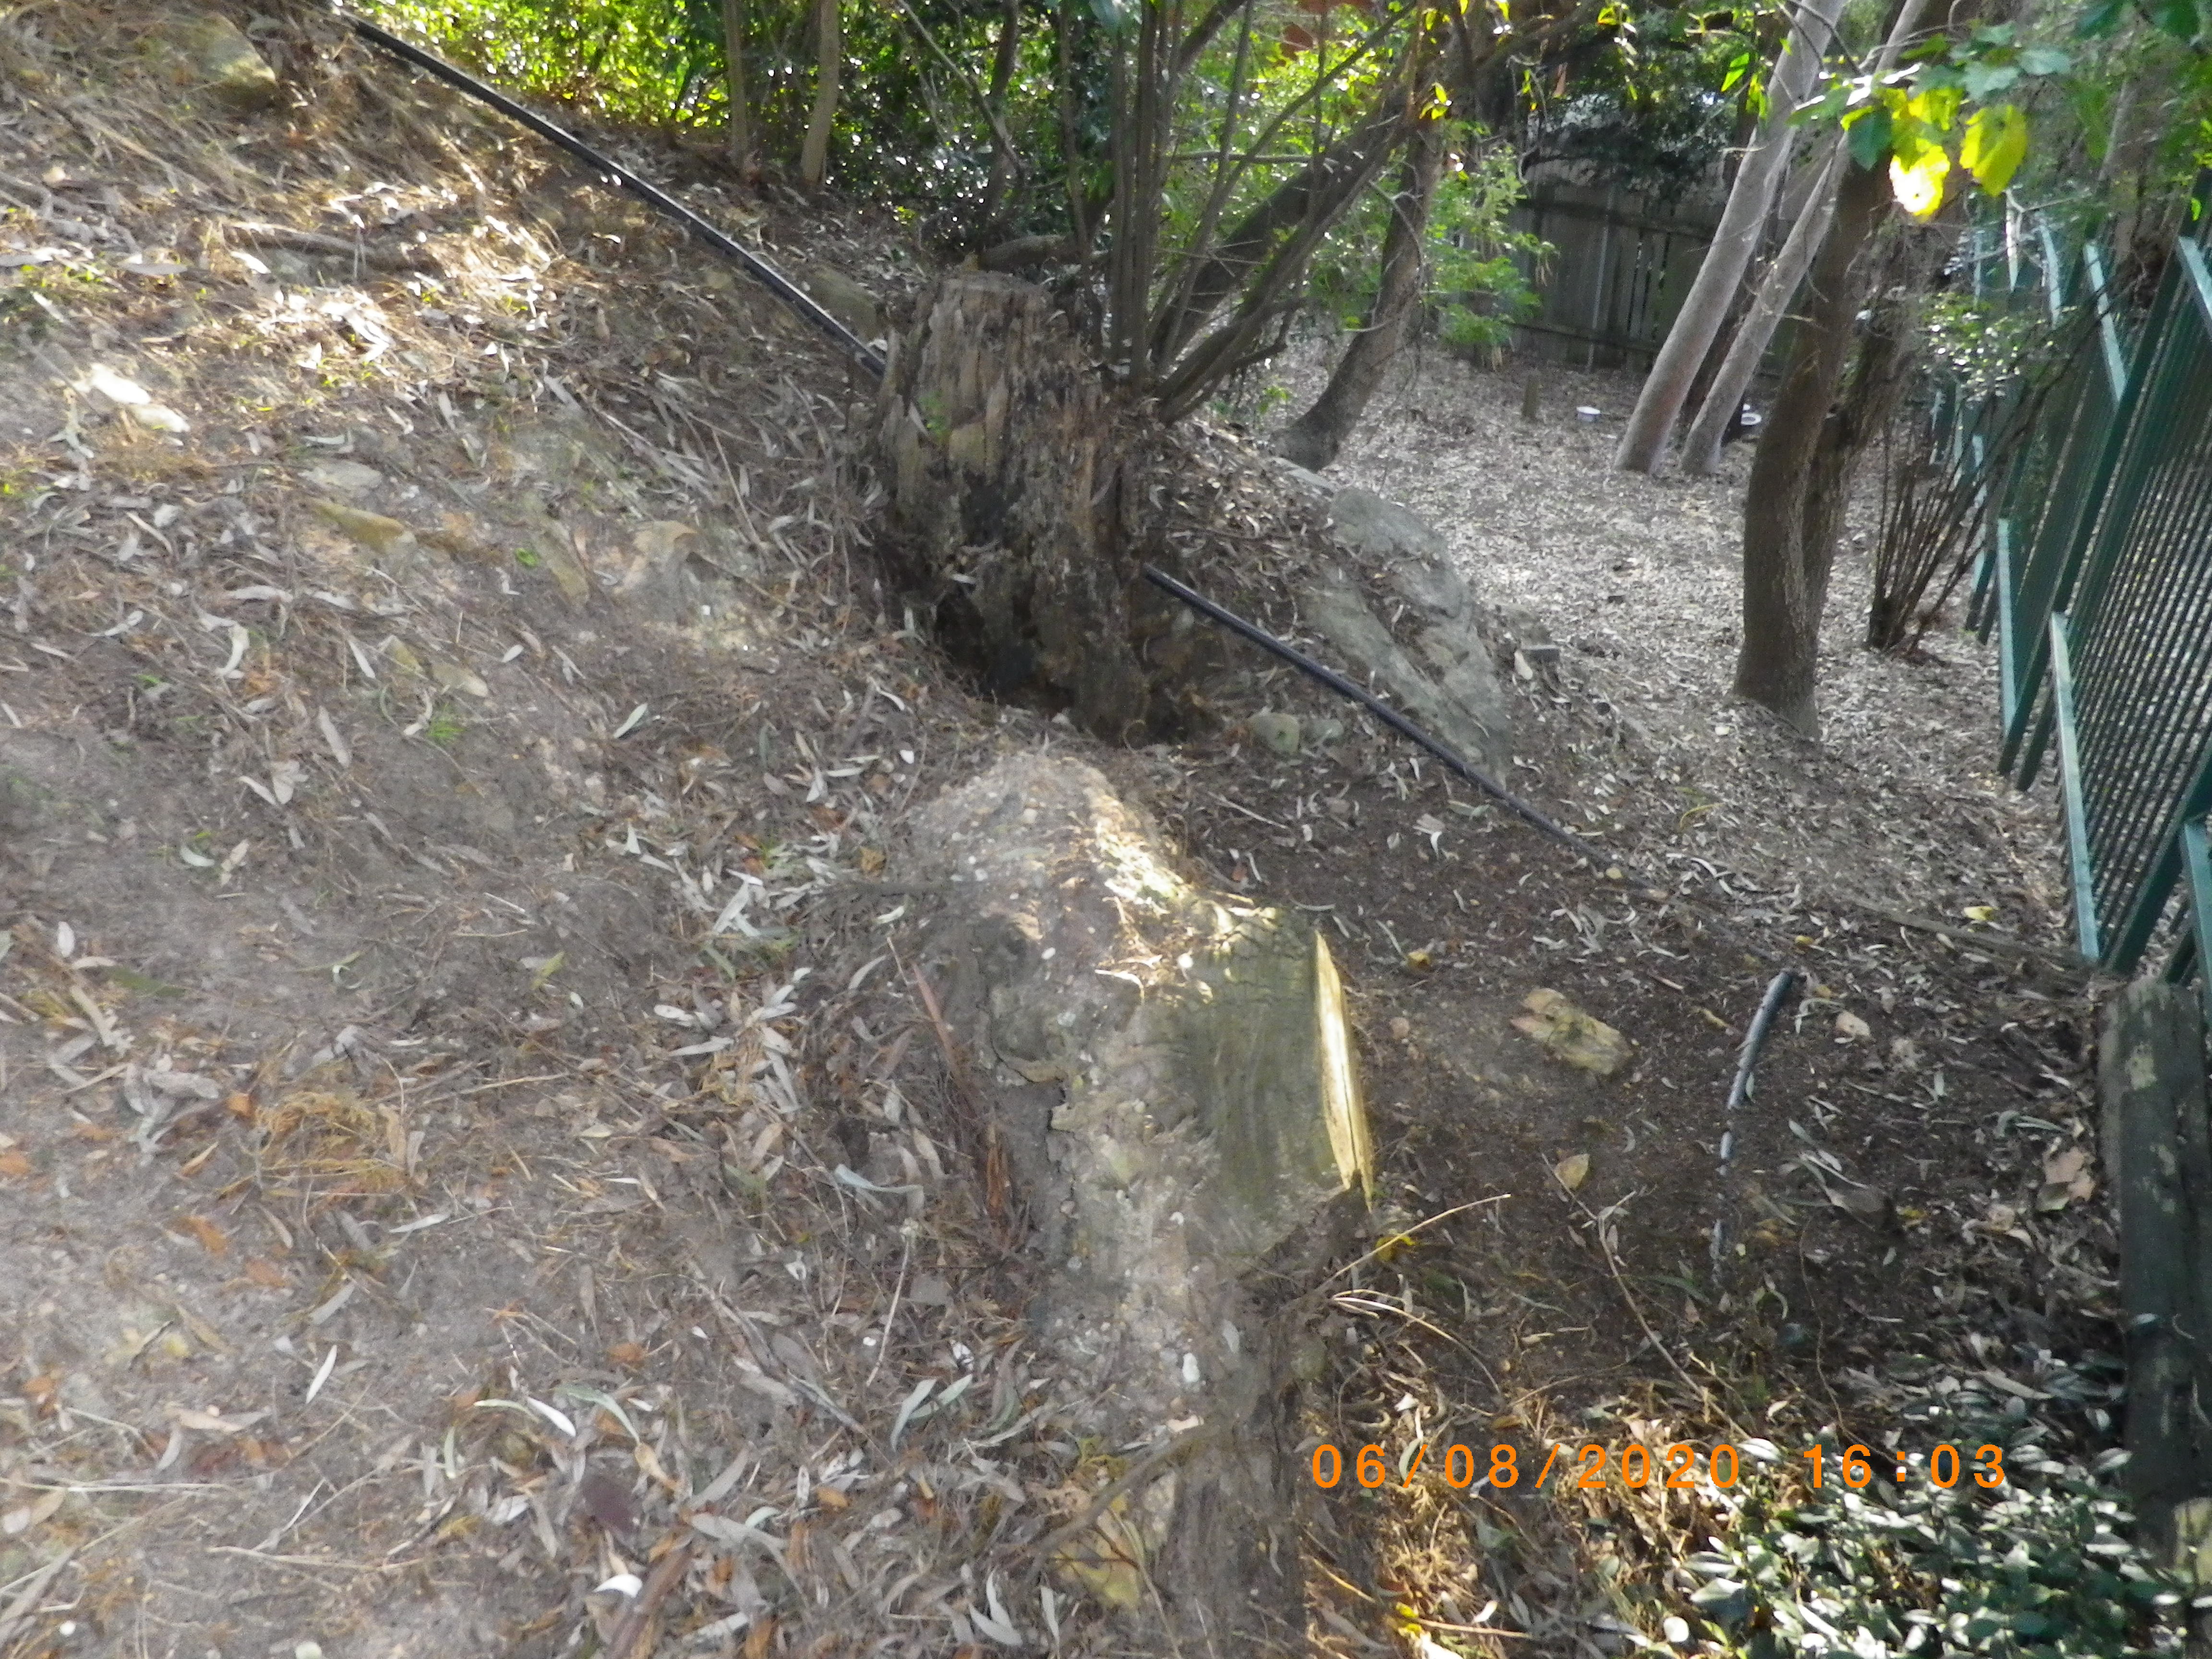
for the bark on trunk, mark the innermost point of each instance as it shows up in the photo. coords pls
(1791, 508)
(814, 154)
(1643, 444)
(1313, 440)
(1317, 192)
(1004, 161)
(741, 127)
(1701, 450)
(1001, 446)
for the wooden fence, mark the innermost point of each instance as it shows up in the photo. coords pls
(1623, 265)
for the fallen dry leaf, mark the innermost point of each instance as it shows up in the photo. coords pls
(1572, 1170)
(212, 1238)
(14, 1164)
(266, 1274)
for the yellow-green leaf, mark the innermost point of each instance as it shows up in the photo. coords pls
(1918, 180)
(1994, 145)
(1936, 105)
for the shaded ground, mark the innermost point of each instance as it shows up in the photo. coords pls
(462, 1099)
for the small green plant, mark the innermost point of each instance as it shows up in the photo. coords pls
(1480, 271)
(527, 559)
(444, 728)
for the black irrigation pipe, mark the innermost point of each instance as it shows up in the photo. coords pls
(768, 276)
(1373, 704)
(1778, 992)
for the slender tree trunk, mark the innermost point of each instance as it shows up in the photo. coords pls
(1643, 444)
(1701, 450)
(814, 154)
(1003, 159)
(1788, 524)
(741, 123)
(1313, 440)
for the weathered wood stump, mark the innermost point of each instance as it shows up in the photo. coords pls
(1171, 1073)
(998, 437)
(2158, 1146)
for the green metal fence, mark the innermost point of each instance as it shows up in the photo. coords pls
(2097, 582)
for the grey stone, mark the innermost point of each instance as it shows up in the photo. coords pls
(343, 478)
(1365, 523)
(845, 300)
(215, 52)
(1456, 695)
(1279, 732)
(1311, 482)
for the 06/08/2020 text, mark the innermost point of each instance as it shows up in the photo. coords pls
(1678, 1466)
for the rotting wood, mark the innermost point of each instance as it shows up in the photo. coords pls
(2151, 1089)
(1005, 498)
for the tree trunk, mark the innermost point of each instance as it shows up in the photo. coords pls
(1643, 444)
(1701, 450)
(741, 127)
(814, 154)
(1004, 161)
(1312, 441)
(999, 442)
(1792, 509)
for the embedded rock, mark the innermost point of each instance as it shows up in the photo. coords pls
(1367, 523)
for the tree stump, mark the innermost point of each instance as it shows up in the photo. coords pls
(1169, 1073)
(1005, 497)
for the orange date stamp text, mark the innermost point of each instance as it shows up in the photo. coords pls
(1591, 1466)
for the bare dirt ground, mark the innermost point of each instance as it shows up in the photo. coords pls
(471, 1149)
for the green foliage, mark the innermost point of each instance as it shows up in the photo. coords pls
(1652, 101)
(1479, 270)
(905, 130)
(2039, 1567)
(1479, 276)
(1983, 345)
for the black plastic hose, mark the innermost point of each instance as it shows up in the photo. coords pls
(1367, 700)
(768, 276)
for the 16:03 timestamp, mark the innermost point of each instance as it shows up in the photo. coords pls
(1677, 1465)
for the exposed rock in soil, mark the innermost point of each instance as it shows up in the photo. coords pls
(1364, 522)
(214, 54)
(1457, 695)
(1170, 1074)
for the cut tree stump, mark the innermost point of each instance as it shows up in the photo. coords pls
(2158, 1145)
(1169, 1073)
(999, 443)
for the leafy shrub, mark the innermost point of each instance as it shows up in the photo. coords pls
(2041, 1567)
